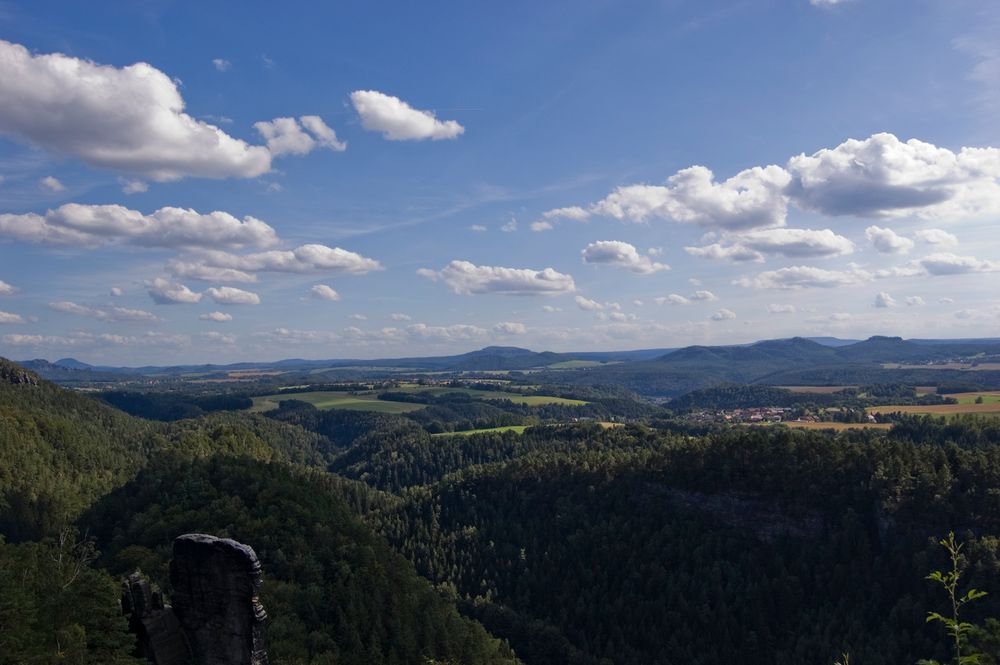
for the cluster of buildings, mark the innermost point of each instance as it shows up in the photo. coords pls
(757, 414)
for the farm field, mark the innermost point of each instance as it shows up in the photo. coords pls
(816, 390)
(576, 364)
(368, 401)
(336, 400)
(529, 400)
(519, 429)
(835, 426)
(988, 409)
(989, 397)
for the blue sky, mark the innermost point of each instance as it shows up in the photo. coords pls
(375, 179)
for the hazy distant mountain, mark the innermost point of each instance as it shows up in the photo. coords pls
(689, 367)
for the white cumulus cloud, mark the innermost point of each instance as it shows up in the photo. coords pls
(164, 292)
(793, 243)
(132, 186)
(288, 136)
(312, 258)
(398, 121)
(228, 295)
(510, 328)
(94, 225)
(205, 273)
(941, 264)
(588, 305)
(800, 277)
(882, 176)
(6, 289)
(129, 119)
(218, 317)
(9, 317)
(51, 184)
(672, 299)
(883, 300)
(620, 255)
(723, 315)
(887, 241)
(466, 278)
(452, 333)
(937, 237)
(324, 292)
(753, 198)
(109, 314)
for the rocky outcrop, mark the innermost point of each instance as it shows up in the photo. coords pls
(15, 374)
(215, 585)
(159, 637)
(216, 617)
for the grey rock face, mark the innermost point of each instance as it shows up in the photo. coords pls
(215, 585)
(159, 637)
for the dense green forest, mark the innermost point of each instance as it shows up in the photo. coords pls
(765, 547)
(73, 465)
(739, 396)
(335, 591)
(659, 541)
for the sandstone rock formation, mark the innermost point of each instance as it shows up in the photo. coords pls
(216, 617)
(215, 585)
(13, 373)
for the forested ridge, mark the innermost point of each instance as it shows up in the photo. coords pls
(652, 542)
(819, 546)
(80, 479)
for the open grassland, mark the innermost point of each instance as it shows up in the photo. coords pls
(336, 400)
(576, 364)
(530, 400)
(368, 400)
(518, 429)
(985, 409)
(835, 426)
(989, 397)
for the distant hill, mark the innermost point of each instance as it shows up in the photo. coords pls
(833, 341)
(690, 367)
(880, 349)
(72, 363)
(788, 361)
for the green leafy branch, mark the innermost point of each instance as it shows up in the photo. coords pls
(957, 629)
